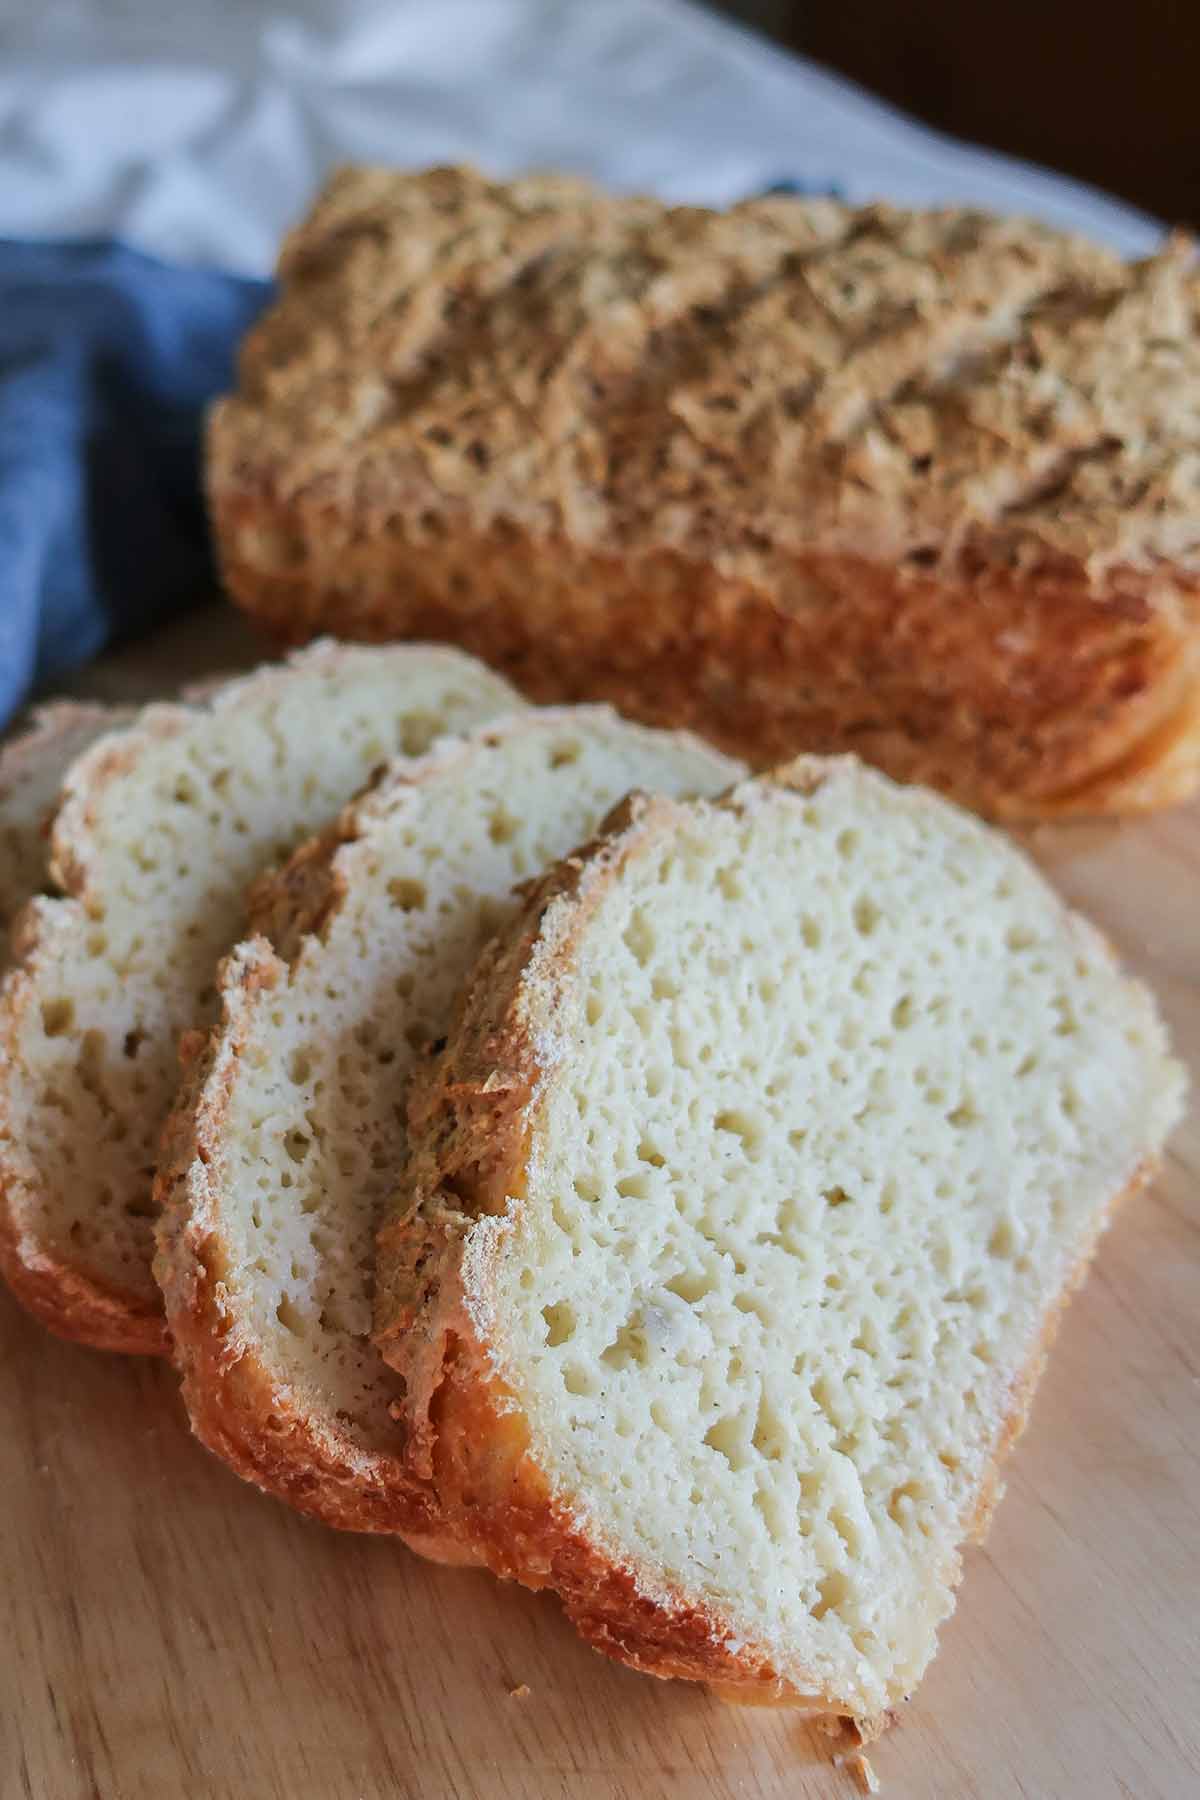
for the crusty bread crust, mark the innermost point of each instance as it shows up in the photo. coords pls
(470, 1119)
(1111, 692)
(961, 542)
(73, 1305)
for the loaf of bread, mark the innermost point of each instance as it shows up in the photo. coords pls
(925, 486)
(161, 828)
(285, 1143)
(33, 766)
(742, 1204)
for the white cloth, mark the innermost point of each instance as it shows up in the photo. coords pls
(198, 131)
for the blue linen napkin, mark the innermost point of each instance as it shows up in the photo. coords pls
(107, 362)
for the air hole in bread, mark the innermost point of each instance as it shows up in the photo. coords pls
(407, 893)
(560, 1323)
(58, 1016)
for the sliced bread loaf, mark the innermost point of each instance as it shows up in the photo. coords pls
(32, 769)
(288, 1138)
(742, 1204)
(161, 828)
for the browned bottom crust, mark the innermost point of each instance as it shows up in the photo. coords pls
(232, 1401)
(494, 1499)
(235, 1414)
(1024, 697)
(75, 1306)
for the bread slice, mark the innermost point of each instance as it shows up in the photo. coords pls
(743, 1202)
(798, 475)
(32, 768)
(288, 1138)
(161, 827)
(33, 765)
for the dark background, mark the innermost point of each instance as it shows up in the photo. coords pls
(1110, 94)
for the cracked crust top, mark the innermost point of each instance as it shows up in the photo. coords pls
(962, 391)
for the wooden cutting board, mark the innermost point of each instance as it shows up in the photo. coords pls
(168, 1632)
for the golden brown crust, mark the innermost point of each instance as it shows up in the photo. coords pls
(1028, 699)
(72, 1307)
(470, 1119)
(495, 1498)
(549, 425)
(987, 388)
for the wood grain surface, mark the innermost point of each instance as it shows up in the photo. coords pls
(166, 1631)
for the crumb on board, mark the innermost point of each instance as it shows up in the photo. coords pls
(859, 1766)
(520, 1693)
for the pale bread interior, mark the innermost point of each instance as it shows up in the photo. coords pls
(835, 1097)
(312, 1125)
(162, 828)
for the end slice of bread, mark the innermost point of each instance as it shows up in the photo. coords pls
(289, 1137)
(161, 828)
(33, 766)
(742, 1204)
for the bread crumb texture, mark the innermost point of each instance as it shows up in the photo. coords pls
(291, 1141)
(162, 827)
